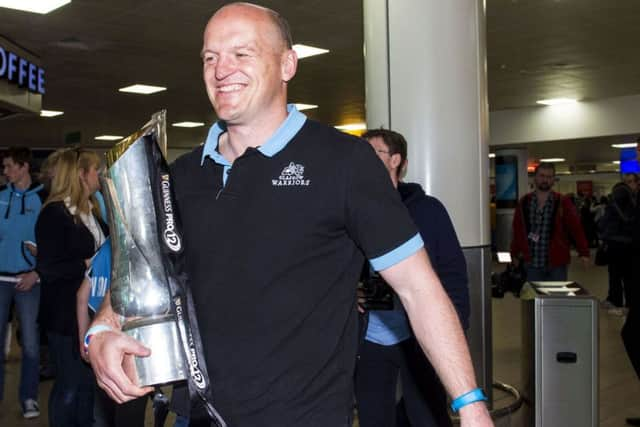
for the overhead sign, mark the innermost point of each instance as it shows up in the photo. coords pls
(21, 71)
(22, 80)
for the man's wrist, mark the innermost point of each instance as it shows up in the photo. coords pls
(473, 396)
(93, 331)
(474, 411)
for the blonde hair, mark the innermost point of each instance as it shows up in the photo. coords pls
(48, 167)
(67, 166)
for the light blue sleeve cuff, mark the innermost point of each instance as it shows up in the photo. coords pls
(398, 254)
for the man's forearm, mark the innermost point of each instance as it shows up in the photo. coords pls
(434, 322)
(106, 315)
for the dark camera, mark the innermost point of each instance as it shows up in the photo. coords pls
(510, 280)
(377, 294)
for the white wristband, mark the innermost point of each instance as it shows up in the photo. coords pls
(94, 330)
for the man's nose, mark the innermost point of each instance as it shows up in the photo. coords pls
(225, 66)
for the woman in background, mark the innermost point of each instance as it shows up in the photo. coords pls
(68, 231)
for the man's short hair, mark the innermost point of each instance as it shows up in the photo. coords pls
(394, 141)
(278, 20)
(631, 175)
(547, 166)
(19, 155)
(283, 27)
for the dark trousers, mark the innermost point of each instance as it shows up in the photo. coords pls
(631, 328)
(71, 398)
(630, 332)
(620, 277)
(108, 413)
(377, 372)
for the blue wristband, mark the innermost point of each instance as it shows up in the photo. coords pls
(93, 331)
(474, 395)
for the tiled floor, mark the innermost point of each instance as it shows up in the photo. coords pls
(619, 387)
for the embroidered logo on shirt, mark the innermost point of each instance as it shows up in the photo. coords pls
(293, 174)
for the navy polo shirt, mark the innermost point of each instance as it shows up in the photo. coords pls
(274, 245)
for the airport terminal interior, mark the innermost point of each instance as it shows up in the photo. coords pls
(619, 387)
(533, 82)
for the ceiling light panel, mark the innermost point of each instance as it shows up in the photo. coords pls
(142, 89)
(305, 51)
(557, 101)
(108, 138)
(352, 127)
(552, 160)
(301, 107)
(50, 113)
(188, 124)
(34, 6)
(627, 145)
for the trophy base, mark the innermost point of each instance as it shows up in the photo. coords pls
(166, 363)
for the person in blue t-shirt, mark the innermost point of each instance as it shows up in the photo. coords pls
(389, 349)
(89, 298)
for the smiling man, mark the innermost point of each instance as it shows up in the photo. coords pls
(279, 214)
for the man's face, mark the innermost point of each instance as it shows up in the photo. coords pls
(383, 153)
(544, 179)
(13, 171)
(632, 182)
(245, 65)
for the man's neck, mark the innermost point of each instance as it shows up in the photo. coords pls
(23, 183)
(394, 179)
(542, 195)
(239, 137)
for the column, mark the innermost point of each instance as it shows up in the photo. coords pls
(425, 73)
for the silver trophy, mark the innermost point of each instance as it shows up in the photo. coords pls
(137, 193)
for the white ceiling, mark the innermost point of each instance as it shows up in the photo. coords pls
(536, 49)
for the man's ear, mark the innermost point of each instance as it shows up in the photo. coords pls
(396, 161)
(289, 65)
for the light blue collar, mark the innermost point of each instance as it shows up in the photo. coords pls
(287, 130)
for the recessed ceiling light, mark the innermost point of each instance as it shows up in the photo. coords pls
(108, 137)
(188, 124)
(301, 107)
(616, 162)
(305, 51)
(142, 89)
(35, 6)
(628, 145)
(592, 171)
(492, 155)
(557, 101)
(352, 127)
(50, 113)
(552, 160)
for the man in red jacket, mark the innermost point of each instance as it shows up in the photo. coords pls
(544, 225)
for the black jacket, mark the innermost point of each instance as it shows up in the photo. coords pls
(63, 246)
(618, 225)
(441, 243)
